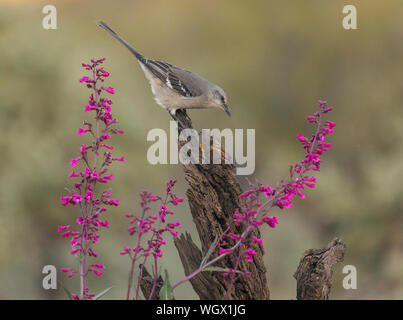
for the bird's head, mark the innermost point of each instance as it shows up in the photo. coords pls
(219, 100)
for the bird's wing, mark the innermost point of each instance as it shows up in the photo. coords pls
(169, 74)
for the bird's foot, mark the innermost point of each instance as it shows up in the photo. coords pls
(182, 125)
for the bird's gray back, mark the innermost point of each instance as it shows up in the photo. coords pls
(196, 84)
(183, 82)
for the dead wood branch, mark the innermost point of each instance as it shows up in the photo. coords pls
(315, 271)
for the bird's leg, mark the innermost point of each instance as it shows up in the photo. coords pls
(186, 115)
(185, 118)
(172, 112)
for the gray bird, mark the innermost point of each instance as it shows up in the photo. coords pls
(175, 88)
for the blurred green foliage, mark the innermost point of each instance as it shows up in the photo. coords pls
(274, 59)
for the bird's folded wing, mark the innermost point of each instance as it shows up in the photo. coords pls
(169, 74)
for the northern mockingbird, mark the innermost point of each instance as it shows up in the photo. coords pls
(175, 88)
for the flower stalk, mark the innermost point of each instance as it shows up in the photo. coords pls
(86, 192)
(154, 226)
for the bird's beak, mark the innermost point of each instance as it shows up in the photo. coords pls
(226, 109)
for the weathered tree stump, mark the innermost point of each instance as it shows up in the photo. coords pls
(315, 271)
(214, 195)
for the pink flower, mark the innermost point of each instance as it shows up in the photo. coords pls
(89, 107)
(107, 194)
(126, 250)
(62, 228)
(271, 221)
(110, 177)
(257, 240)
(310, 119)
(174, 225)
(76, 198)
(65, 270)
(105, 136)
(224, 251)
(94, 174)
(174, 233)
(301, 194)
(268, 191)
(65, 200)
(234, 236)
(107, 147)
(84, 79)
(96, 272)
(105, 224)
(114, 202)
(325, 146)
(109, 90)
(103, 73)
(322, 103)
(247, 193)
(74, 175)
(176, 200)
(158, 253)
(89, 195)
(107, 108)
(122, 159)
(84, 148)
(74, 161)
(310, 185)
(249, 254)
(87, 172)
(330, 124)
(66, 234)
(82, 131)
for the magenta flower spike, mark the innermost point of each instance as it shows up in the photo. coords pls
(88, 173)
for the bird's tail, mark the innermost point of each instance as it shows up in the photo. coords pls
(139, 56)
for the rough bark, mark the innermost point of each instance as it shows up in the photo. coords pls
(315, 271)
(191, 257)
(146, 285)
(213, 196)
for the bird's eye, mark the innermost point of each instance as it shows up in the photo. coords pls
(222, 99)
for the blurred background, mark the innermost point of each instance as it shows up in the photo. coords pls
(274, 59)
